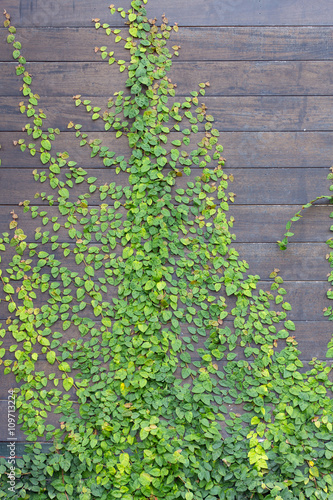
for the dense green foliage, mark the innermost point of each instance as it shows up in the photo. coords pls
(133, 317)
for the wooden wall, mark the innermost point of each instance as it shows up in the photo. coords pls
(270, 66)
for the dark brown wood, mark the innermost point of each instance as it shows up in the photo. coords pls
(279, 186)
(270, 66)
(276, 186)
(197, 43)
(20, 446)
(308, 343)
(253, 223)
(55, 419)
(311, 337)
(208, 13)
(236, 114)
(301, 261)
(311, 345)
(241, 150)
(266, 223)
(233, 78)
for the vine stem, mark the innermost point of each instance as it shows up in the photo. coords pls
(284, 242)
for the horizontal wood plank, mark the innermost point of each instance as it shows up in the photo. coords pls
(270, 66)
(235, 114)
(20, 446)
(301, 261)
(55, 419)
(241, 149)
(311, 346)
(262, 223)
(254, 186)
(232, 78)
(208, 13)
(197, 44)
(253, 223)
(312, 338)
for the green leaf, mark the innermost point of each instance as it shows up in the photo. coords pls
(329, 353)
(45, 157)
(51, 357)
(127, 252)
(230, 289)
(106, 322)
(290, 325)
(63, 192)
(88, 285)
(46, 144)
(67, 383)
(89, 270)
(176, 345)
(79, 258)
(64, 367)
(11, 307)
(8, 289)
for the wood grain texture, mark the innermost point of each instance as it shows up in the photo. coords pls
(312, 338)
(260, 223)
(229, 78)
(241, 149)
(301, 261)
(20, 447)
(253, 186)
(270, 65)
(236, 114)
(208, 13)
(197, 43)
(253, 223)
(55, 419)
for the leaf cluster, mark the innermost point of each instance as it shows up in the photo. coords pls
(133, 317)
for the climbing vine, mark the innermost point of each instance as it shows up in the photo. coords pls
(133, 317)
